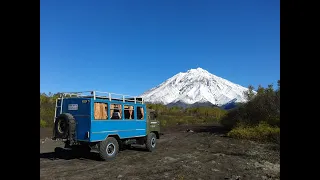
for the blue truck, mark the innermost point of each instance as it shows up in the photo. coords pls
(104, 122)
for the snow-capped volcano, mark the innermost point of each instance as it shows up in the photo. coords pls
(195, 86)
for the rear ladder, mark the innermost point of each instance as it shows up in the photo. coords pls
(58, 101)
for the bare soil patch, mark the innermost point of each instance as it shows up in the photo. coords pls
(201, 153)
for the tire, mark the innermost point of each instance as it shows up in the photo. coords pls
(151, 142)
(108, 149)
(63, 124)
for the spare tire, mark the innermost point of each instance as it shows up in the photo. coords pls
(62, 125)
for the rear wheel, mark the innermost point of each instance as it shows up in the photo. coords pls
(108, 149)
(151, 142)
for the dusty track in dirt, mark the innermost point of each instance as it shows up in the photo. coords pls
(203, 154)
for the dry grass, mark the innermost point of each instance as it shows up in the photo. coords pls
(262, 132)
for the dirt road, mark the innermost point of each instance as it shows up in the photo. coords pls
(202, 154)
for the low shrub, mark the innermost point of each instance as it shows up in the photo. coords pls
(43, 123)
(263, 132)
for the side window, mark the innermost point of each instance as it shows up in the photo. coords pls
(128, 112)
(140, 112)
(100, 111)
(115, 111)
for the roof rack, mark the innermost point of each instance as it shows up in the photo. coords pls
(103, 95)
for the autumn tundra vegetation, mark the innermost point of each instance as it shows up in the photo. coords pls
(257, 119)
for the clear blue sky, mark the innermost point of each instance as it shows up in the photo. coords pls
(130, 46)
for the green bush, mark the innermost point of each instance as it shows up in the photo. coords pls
(47, 105)
(258, 118)
(262, 132)
(232, 118)
(264, 105)
(171, 120)
(43, 123)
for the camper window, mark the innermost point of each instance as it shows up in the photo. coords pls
(100, 111)
(115, 111)
(140, 112)
(128, 112)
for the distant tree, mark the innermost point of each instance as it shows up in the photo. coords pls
(260, 90)
(249, 94)
(265, 106)
(278, 90)
(270, 89)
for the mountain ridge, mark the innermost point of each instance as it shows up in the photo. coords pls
(196, 86)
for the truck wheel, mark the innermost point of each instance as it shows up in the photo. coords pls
(108, 149)
(151, 142)
(62, 125)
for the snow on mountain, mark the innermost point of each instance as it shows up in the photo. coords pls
(195, 86)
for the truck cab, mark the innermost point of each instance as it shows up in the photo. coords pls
(104, 122)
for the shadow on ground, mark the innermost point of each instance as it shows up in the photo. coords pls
(66, 154)
(216, 129)
(213, 129)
